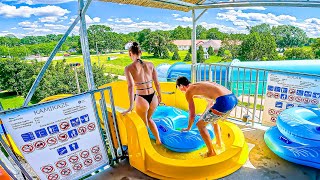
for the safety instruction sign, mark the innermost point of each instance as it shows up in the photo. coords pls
(59, 139)
(285, 91)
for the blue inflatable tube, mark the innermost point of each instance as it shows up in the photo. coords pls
(301, 125)
(170, 121)
(308, 155)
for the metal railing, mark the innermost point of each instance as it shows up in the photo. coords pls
(247, 83)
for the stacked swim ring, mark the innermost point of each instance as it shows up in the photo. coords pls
(296, 137)
(170, 121)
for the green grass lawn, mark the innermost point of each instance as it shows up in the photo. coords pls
(11, 100)
(117, 65)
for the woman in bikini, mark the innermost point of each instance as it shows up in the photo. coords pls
(141, 74)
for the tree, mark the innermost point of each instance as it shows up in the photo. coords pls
(289, 36)
(214, 33)
(261, 28)
(210, 51)
(181, 33)
(258, 47)
(316, 47)
(201, 32)
(227, 56)
(190, 50)
(233, 46)
(299, 53)
(141, 36)
(157, 43)
(200, 55)
(188, 57)
(176, 55)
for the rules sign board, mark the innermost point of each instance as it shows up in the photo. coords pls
(285, 91)
(48, 133)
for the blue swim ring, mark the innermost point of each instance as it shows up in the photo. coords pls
(301, 125)
(308, 155)
(170, 121)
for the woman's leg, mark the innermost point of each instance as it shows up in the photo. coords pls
(153, 105)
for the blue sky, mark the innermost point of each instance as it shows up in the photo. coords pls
(41, 17)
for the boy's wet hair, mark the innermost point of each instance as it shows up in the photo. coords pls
(182, 81)
(135, 48)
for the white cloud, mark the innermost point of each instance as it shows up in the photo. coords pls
(123, 20)
(311, 26)
(184, 19)
(28, 25)
(14, 28)
(175, 15)
(56, 26)
(93, 20)
(313, 20)
(5, 31)
(258, 8)
(138, 26)
(48, 19)
(26, 12)
(110, 19)
(32, 2)
(240, 23)
(223, 28)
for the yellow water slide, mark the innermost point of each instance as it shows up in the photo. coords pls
(159, 162)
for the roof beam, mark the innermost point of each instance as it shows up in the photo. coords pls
(177, 3)
(259, 3)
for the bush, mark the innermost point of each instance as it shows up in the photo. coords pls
(299, 53)
(188, 57)
(176, 55)
(200, 55)
(210, 51)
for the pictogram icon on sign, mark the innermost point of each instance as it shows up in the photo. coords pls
(84, 154)
(269, 94)
(306, 100)
(52, 141)
(273, 119)
(65, 172)
(271, 111)
(84, 118)
(64, 125)
(40, 133)
(75, 122)
(73, 133)
(298, 98)
(87, 162)
(77, 167)
(53, 176)
(53, 129)
(73, 159)
(97, 157)
(27, 148)
(27, 136)
(47, 169)
(276, 95)
(290, 98)
(40, 144)
(91, 126)
(61, 163)
(292, 91)
(95, 149)
(62, 151)
(314, 101)
(278, 112)
(63, 137)
(82, 130)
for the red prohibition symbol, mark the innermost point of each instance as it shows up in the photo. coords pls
(61, 164)
(64, 125)
(52, 141)
(95, 149)
(28, 148)
(65, 172)
(84, 154)
(88, 162)
(82, 130)
(53, 176)
(97, 157)
(73, 159)
(47, 169)
(40, 145)
(77, 167)
(91, 126)
(63, 137)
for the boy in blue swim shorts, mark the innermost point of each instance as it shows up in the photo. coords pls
(221, 102)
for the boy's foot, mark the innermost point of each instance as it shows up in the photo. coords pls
(208, 154)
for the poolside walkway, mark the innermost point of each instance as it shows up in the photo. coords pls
(262, 164)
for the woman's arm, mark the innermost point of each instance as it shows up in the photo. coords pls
(156, 82)
(130, 89)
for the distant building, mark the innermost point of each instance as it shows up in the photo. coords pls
(186, 44)
(128, 45)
